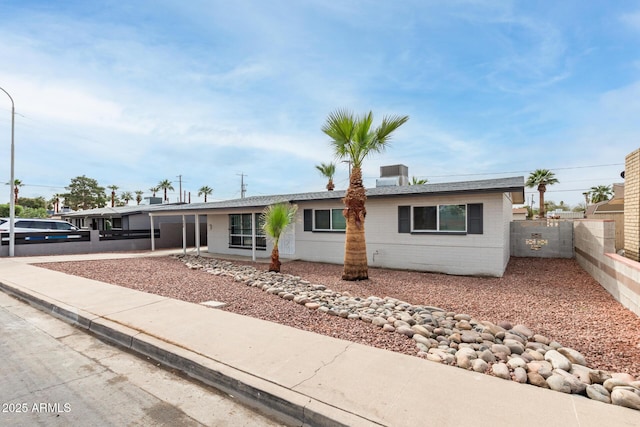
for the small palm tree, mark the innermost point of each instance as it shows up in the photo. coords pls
(353, 139)
(206, 190)
(600, 193)
(139, 194)
(328, 170)
(165, 185)
(113, 189)
(275, 220)
(416, 181)
(154, 190)
(541, 178)
(16, 189)
(126, 196)
(55, 202)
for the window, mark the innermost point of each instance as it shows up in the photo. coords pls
(329, 219)
(440, 218)
(240, 232)
(457, 219)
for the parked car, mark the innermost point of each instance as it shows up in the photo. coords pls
(31, 225)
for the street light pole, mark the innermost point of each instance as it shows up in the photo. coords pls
(12, 202)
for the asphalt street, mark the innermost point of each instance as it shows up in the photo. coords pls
(54, 374)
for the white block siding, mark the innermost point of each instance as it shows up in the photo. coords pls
(471, 254)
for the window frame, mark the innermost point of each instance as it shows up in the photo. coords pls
(245, 235)
(331, 228)
(438, 229)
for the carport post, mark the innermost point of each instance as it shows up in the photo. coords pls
(153, 235)
(184, 236)
(253, 237)
(197, 227)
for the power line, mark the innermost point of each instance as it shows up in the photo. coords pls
(525, 171)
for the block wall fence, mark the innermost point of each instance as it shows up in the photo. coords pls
(595, 252)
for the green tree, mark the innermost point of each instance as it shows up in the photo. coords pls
(113, 189)
(416, 181)
(328, 170)
(353, 139)
(541, 178)
(139, 194)
(126, 196)
(165, 185)
(600, 193)
(275, 220)
(34, 213)
(154, 190)
(35, 203)
(206, 191)
(5, 210)
(84, 193)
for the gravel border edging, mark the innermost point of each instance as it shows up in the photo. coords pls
(506, 351)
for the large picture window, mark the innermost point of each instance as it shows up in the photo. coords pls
(240, 231)
(451, 218)
(329, 219)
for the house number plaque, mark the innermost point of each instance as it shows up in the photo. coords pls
(536, 242)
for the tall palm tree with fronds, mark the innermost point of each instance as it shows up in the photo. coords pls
(113, 189)
(600, 193)
(417, 181)
(275, 220)
(165, 185)
(139, 194)
(353, 139)
(154, 190)
(126, 196)
(328, 170)
(206, 190)
(16, 189)
(541, 178)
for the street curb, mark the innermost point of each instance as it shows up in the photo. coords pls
(290, 407)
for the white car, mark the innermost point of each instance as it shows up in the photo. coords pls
(32, 225)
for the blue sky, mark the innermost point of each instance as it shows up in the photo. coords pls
(132, 93)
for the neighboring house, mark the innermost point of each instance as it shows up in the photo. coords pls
(455, 228)
(135, 217)
(612, 209)
(520, 214)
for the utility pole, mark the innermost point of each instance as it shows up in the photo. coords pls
(180, 192)
(243, 186)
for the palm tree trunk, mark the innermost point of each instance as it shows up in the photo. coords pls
(541, 188)
(355, 247)
(275, 260)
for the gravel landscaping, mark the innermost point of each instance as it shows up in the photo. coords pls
(553, 298)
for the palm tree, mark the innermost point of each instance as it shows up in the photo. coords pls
(206, 190)
(165, 185)
(55, 202)
(113, 189)
(139, 194)
(328, 170)
(600, 193)
(541, 178)
(16, 189)
(416, 181)
(275, 219)
(154, 190)
(126, 196)
(353, 139)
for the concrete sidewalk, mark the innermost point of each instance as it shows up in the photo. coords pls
(308, 378)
